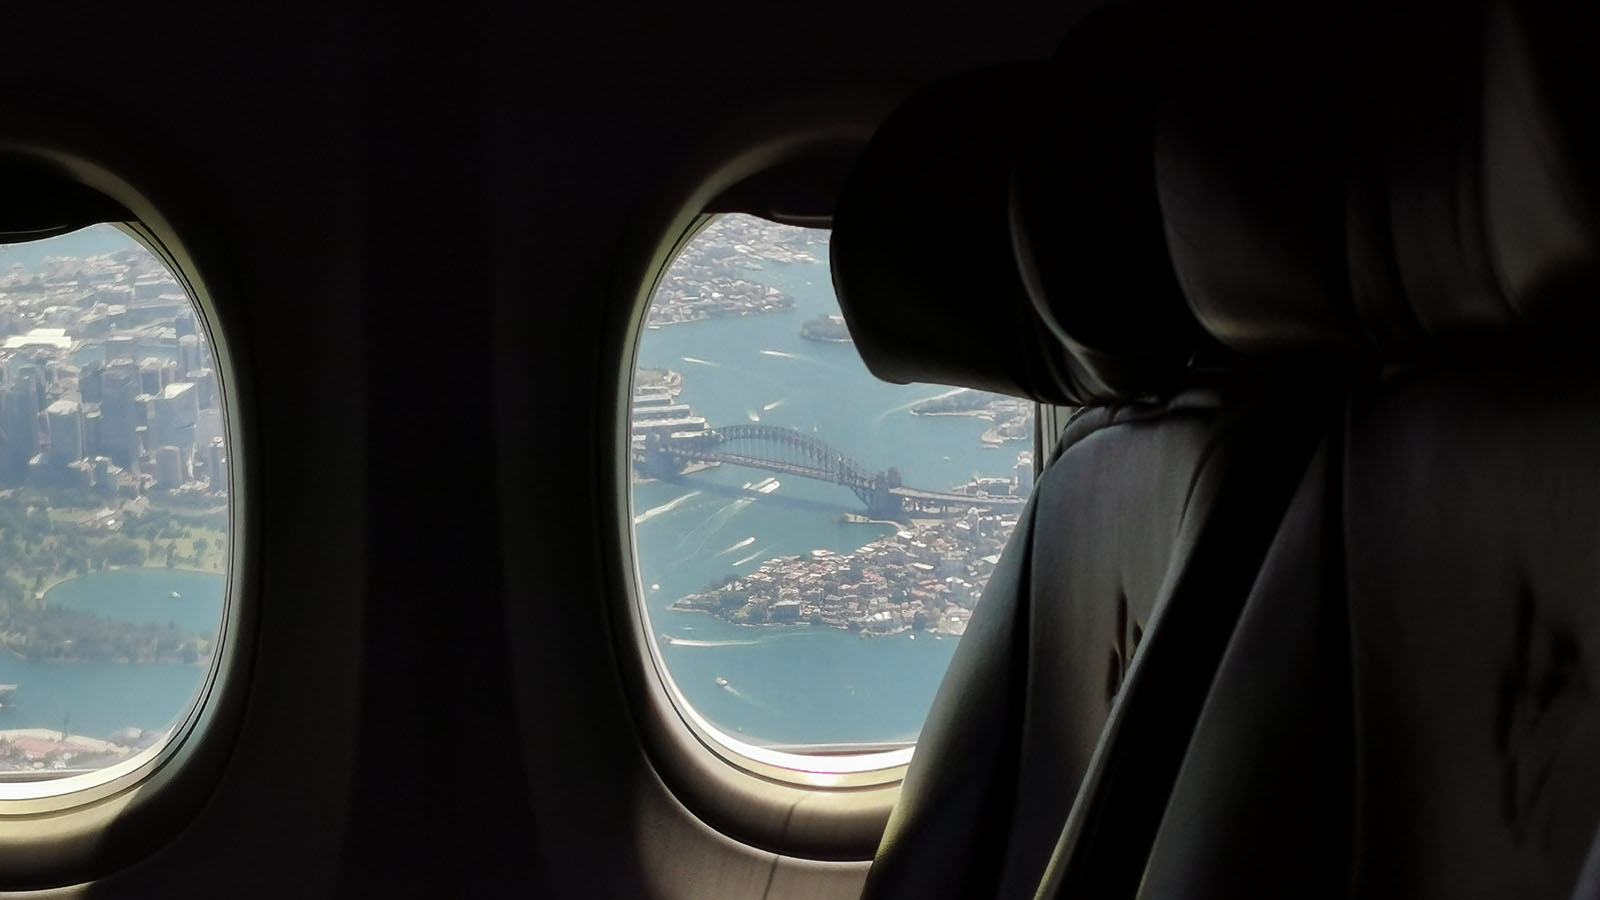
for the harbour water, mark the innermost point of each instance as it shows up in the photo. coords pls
(97, 699)
(802, 684)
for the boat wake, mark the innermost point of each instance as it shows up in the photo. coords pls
(741, 561)
(801, 357)
(714, 523)
(878, 419)
(663, 509)
(702, 362)
(738, 546)
(690, 642)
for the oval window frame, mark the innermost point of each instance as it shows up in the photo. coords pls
(864, 766)
(807, 811)
(76, 829)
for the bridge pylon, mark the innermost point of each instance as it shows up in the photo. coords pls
(883, 504)
(657, 461)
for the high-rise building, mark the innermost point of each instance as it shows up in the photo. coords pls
(174, 412)
(205, 382)
(118, 413)
(1024, 473)
(34, 374)
(150, 376)
(91, 428)
(119, 347)
(169, 467)
(217, 466)
(188, 352)
(64, 419)
(89, 380)
(19, 427)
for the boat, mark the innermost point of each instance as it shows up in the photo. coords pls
(722, 682)
(177, 596)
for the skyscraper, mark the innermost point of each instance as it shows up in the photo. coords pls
(64, 419)
(175, 410)
(118, 416)
(19, 427)
(217, 466)
(169, 468)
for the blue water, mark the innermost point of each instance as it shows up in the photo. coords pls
(792, 684)
(145, 595)
(91, 241)
(97, 699)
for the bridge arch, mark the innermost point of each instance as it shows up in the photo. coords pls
(776, 448)
(789, 445)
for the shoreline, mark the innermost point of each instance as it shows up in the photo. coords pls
(41, 597)
(54, 582)
(859, 519)
(780, 626)
(965, 413)
(83, 742)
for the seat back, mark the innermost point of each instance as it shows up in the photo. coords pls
(1406, 707)
(1160, 502)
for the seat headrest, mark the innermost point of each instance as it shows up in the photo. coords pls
(927, 270)
(1330, 185)
(1085, 216)
(921, 256)
(1540, 161)
(1250, 166)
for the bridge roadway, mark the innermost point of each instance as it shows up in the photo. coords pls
(948, 497)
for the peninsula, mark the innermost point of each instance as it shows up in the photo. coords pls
(924, 578)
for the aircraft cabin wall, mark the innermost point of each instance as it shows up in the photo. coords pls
(415, 229)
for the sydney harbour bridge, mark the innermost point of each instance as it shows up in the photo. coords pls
(791, 452)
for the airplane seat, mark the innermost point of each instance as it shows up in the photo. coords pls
(1166, 486)
(1407, 706)
(1244, 219)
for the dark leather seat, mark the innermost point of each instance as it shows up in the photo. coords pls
(1166, 489)
(1407, 707)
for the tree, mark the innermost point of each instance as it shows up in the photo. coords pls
(200, 546)
(120, 551)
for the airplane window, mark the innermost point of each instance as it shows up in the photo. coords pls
(114, 507)
(811, 541)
